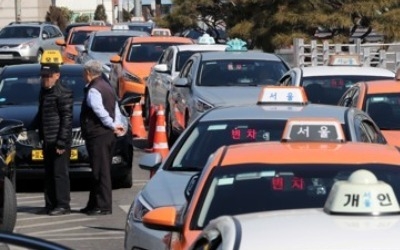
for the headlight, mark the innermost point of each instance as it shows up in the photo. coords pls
(71, 56)
(139, 209)
(29, 138)
(130, 77)
(202, 106)
(27, 45)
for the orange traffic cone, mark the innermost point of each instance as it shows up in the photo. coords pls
(179, 117)
(137, 124)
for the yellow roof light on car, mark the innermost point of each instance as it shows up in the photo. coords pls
(361, 194)
(313, 130)
(236, 45)
(282, 95)
(344, 60)
(51, 57)
(206, 39)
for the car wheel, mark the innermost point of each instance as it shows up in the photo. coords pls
(9, 216)
(39, 56)
(171, 136)
(124, 181)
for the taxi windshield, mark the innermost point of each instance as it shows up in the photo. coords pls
(384, 109)
(249, 188)
(240, 73)
(108, 44)
(24, 90)
(79, 37)
(20, 32)
(147, 52)
(329, 89)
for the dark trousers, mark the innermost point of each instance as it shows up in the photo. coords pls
(100, 150)
(56, 177)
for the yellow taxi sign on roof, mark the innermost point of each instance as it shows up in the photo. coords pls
(282, 95)
(51, 57)
(344, 60)
(313, 130)
(361, 194)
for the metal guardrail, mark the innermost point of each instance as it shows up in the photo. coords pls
(384, 55)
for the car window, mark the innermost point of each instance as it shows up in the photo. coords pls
(248, 188)
(384, 109)
(55, 32)
(375, 135)
(20, 32)
(79, 37)
(331, 88)
(147, 52)
(240, 72)
(346, 99)
(108, 43)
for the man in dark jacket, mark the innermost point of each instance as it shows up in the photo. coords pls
(55, 120)
(100, 123)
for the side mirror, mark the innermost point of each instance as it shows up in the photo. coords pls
(80, 48)
(45, 36)
(162, 218)
(162, 68)
(150, 161)
(191, 186)
(115, 59)
(61, 42)
(182, 82)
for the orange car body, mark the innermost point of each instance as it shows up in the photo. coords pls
(350, 153)
(69, 52)
(129, 73)
(381, 100)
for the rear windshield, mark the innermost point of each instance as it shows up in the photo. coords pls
(108, 43)
(252, 188)
(79, 37)
(147, 52)
(384, 109)
(329, 89)
(207, 137)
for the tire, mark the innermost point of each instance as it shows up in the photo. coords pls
(125, 181)
(146, 109)
(10, 207)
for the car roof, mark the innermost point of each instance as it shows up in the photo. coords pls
(277, 112)
(345, 70)
(311, 229)
(255, 55)
(161, 39)
(382, 86)
(309, 153)
(34, 69)
(200, 47)
(119, 33)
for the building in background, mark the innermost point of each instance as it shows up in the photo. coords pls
(88, 7)
(29, 10)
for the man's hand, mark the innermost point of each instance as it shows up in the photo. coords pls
(119, 130)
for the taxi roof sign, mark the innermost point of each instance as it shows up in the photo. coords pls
(120, 27)
(282, 95)
(313, 130)
(236, 44)
(51, 57)
(344, 60)
(361, 194)
(206, 39)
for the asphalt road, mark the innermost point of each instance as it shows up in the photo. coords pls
(76, 230)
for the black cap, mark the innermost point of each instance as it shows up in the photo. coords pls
(49, 69)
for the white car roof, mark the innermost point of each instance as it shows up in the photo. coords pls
(345, 70)
(201, 47)
(312, 229)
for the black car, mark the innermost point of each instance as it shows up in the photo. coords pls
(9, 130)
(19, 95)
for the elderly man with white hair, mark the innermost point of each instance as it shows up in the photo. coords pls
(100, 123)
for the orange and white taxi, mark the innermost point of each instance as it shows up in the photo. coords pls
(131, 67)
(381, 100)
(255, 177)
(77, 36)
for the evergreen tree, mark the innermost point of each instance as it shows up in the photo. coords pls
(82, 19)
(100, 13)
(57, 16)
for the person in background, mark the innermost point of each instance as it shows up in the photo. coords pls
(55, 130)
(100, 123)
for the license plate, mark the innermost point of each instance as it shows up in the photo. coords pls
(6, 56)
(37, 155)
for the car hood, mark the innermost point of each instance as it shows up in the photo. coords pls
(102, 57)
(141, 70)
(27, 114)
(232, 95)
(14, 41)
(166, 188)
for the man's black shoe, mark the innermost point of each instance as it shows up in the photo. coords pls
(60, 211)
(85, 210)
(44, 210)
(98, 212)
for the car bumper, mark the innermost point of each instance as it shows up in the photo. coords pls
(137, 236)
(130, 87)
(8, 56)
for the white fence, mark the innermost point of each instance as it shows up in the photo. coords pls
(313, 54)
